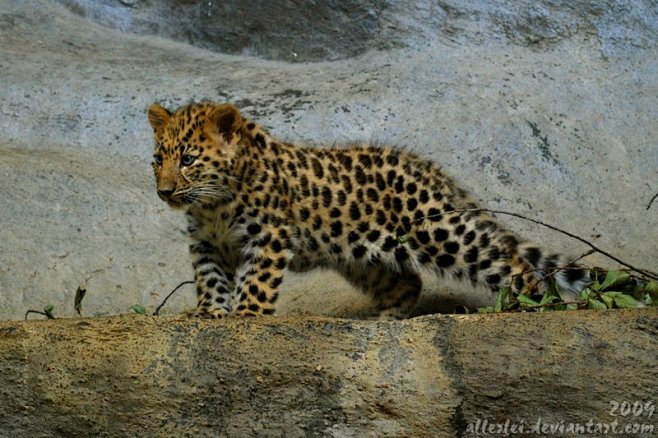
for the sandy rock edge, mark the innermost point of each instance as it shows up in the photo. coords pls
(429, 376)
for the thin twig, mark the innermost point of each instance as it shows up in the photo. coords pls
(551, 272)
(557, 269)
(644, 272)
(582, 256)
(157, 310)
(49, 316)
(556, 304)
(651, 202)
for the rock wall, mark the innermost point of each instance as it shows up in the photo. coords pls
(331, 30)
(443, 376)
(544, 108)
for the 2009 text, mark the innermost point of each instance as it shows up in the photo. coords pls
(636, 408)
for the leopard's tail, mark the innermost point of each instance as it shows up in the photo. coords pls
(570, 277)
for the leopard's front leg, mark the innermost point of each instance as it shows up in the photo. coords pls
(214, 279)
(266, 256)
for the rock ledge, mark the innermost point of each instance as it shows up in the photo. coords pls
(429, 376)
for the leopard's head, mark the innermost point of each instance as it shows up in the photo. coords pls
(194, 151)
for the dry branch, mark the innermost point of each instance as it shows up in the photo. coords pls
(651, 202)
(157, 310)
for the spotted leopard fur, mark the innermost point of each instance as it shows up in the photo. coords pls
(257, 206)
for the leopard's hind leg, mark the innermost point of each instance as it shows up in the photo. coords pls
(395, 293)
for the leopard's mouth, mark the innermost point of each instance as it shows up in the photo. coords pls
(189, 198)
(177, 201)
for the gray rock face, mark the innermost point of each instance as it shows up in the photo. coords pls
(271, 29)
(547, 109)
(330, 30)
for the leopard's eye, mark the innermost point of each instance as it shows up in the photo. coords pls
(157, 159)
(186, 160)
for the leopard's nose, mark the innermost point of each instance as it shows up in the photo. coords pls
(165, 193)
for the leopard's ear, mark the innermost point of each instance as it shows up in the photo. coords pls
(225, 120)
(158, 116)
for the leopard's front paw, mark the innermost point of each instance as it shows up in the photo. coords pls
(245, 313)
(202, 312)
(252, 310)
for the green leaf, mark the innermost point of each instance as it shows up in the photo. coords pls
(608, 299)
(624, 301)
(595, 304)
(646, 299)
(651, 288)
(501, 302)
(77, 303)
(48, 310)
(615, 278)
(138, 308)
(404, 238)
(549, 298)
(527, 301)
(487, 309)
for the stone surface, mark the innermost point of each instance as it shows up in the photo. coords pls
(331, 30)
(294, 377)
(542, 108)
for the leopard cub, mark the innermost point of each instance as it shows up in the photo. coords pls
(258, 206)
